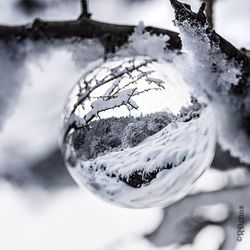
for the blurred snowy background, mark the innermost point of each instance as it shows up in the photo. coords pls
(42, 208)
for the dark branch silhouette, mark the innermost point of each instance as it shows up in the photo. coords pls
(110, 35)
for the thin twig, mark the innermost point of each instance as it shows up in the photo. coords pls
(85, 9)
(210, 12)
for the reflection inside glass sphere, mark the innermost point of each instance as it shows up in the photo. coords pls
(134, 134)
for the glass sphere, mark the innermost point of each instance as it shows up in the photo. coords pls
(134, 134)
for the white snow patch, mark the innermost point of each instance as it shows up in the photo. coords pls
(215, 180)
(144, 43)
(216, 213)
(66, 220)
(209, 238)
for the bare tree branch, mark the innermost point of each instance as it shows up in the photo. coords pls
(110, 35)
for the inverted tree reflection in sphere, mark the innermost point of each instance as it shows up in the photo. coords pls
(134, 135)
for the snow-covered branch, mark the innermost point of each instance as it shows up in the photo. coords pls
(123, 80)
(110, 35)
(183, 13)
(222, 73)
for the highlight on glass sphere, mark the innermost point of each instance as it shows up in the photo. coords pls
(134, 134)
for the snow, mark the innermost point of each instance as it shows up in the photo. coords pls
(144, 43)
(209, 238)
(174, 146)
(216, 213)
(152, 46)
(214, 180)
(40, 219)
(196, 67)
(175, 95)
(189, 146)
(39, 135)
(101, 105)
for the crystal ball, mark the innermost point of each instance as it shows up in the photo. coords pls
(134, 134)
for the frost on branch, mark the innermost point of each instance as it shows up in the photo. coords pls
(218, 74)
(144, 43)
(132, 130)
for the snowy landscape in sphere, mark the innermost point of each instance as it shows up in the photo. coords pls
(134, 134)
